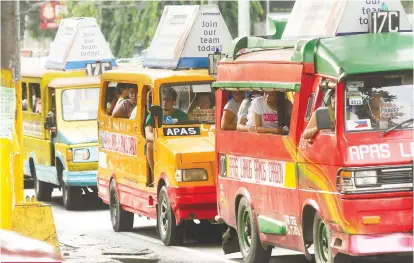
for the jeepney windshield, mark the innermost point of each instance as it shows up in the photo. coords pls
(379, 102)
(80, 104)
(188, 103)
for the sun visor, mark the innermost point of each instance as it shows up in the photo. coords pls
(185, 35)
(79, 42)
(330, 18)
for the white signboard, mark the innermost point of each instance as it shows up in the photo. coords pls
(257, 171)
(186, 35)
(329, 18)
(7, 112)
(356, 15)
(78, 41)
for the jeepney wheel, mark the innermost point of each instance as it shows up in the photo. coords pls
(43, 190)
(170, 233)
(72, 197)
(321, 241)
(249, 240)
(121, 220)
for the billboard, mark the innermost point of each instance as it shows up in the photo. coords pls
(50, 14)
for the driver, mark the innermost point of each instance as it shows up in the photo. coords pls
(311, 129)
(169, 96)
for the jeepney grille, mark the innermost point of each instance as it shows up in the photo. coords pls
(395, 176)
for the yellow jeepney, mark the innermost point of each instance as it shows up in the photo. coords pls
(60, 138)
(60, 107)
(183, 184)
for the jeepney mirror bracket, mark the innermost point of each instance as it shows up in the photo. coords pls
(156, 111)
(50, 121)
(323, 121)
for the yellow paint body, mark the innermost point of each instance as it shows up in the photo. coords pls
(37, 140)
(10, 168)
(26, 220)
(171, 153)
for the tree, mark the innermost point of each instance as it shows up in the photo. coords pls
(127, 24)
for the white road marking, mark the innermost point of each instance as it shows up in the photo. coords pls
(185, 249)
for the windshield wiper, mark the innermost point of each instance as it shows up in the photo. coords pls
(397, 126)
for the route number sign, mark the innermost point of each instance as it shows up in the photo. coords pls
(384, 22)
(98, 68)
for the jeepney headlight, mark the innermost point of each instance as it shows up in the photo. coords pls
(191, 175)
(364, 178)
(81, 154)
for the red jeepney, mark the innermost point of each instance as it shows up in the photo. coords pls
(347, 190)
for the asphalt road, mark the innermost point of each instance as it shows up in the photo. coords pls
(87, 236)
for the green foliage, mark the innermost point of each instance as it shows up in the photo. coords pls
(127, 24)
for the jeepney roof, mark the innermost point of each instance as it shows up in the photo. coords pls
(335, 57)
(365, 53)
(74, 82)
(41, 72)
(149, 76)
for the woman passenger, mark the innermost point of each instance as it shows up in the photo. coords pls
(229, 118)
(265, 117)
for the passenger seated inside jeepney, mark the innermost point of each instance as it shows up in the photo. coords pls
(169, 97)
(265, 114)
(202, 107)
(36, 100)
(229, 118)
(245, 109)
(311, 129)
(112, 99)
(126, 103)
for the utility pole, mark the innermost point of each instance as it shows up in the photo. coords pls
(243, 18)
(11, 164)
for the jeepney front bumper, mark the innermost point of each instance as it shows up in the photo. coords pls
(197, 202)
(373, 244)
(80, 178)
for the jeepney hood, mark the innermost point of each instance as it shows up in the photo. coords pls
(192, 150)
(78, 133)
(365, 149)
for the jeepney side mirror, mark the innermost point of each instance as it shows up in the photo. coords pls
(323, 120)
(156, 111)
(50, 121)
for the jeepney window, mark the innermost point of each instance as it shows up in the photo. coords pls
(175, 99)
(35, 98)
(25, 101)
(311, 101)
(80, 104)
(379, 102)
(273, 108)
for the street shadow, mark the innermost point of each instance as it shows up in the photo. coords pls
(90, 202)
(148, 231)
(28, 184)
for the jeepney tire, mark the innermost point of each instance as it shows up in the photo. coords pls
(253, 252)
(72, 197)
(43, 190)
(170, 233)
(121, 220)
(321, 240)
